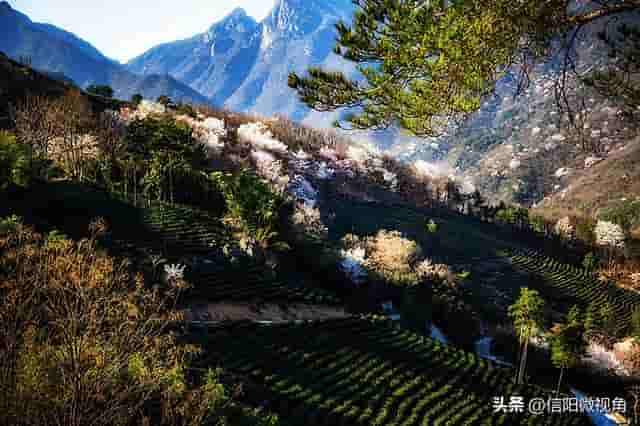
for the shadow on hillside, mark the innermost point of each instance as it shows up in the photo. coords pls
(70, 207)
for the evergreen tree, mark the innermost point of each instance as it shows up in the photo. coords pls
(164, 100)
(423, 62)
(136, 99)
(528, 317)
(100, 90)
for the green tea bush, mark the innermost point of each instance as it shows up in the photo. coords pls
(251, 201)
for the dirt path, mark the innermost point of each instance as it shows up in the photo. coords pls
(268, 312)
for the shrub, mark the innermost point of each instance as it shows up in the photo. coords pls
(431, 227)
(307, 219)
(429, 271)
(85, 341)
(609, 234)
(15, 164)
(590, 262)
(100, 90)
(251, 201)
(150, 135)
(391, 253)
(626, 214)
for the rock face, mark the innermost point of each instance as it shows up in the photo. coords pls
(215, 63)
(54, 50)
(244, 65)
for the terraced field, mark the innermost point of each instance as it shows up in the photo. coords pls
(179, 234)
(576, 285)
(359, 371)
(500, 267)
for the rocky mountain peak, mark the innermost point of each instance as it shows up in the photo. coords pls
(237, 21)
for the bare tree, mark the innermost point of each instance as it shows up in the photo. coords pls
(110, 132)
(85, 342)
(73, 120)
(35, 123)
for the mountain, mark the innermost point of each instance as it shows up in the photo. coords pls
(511, 148)
(215, 63)
(244, 65)
(53, 50)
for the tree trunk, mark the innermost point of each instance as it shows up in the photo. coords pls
(523, 360)
(171, 183)
(559, 381)
(520, 352)
(135, 187)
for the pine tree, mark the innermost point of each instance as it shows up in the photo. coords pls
(422, 63)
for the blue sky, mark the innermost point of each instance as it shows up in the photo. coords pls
(123, 29)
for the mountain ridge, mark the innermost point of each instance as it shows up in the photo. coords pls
(53, 49)
(241, 66)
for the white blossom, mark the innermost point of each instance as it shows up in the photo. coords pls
(146, 108)
(328, 153)
(308, 218)
(271, 169)
(390, 178)
(599, 357)
(324, 171)
(565, 228)
(174, 272)
(561, 172)
(353, 261)
(214, 125)
(301, 155)
(609, 234)
(260, 137)
(358, 154)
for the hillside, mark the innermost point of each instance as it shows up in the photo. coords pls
(510, 149)
(18, 81)
(337, 192)
(54, 50)
(179, 263)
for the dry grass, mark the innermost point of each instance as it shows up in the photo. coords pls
(626, 275)
(301, 137)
